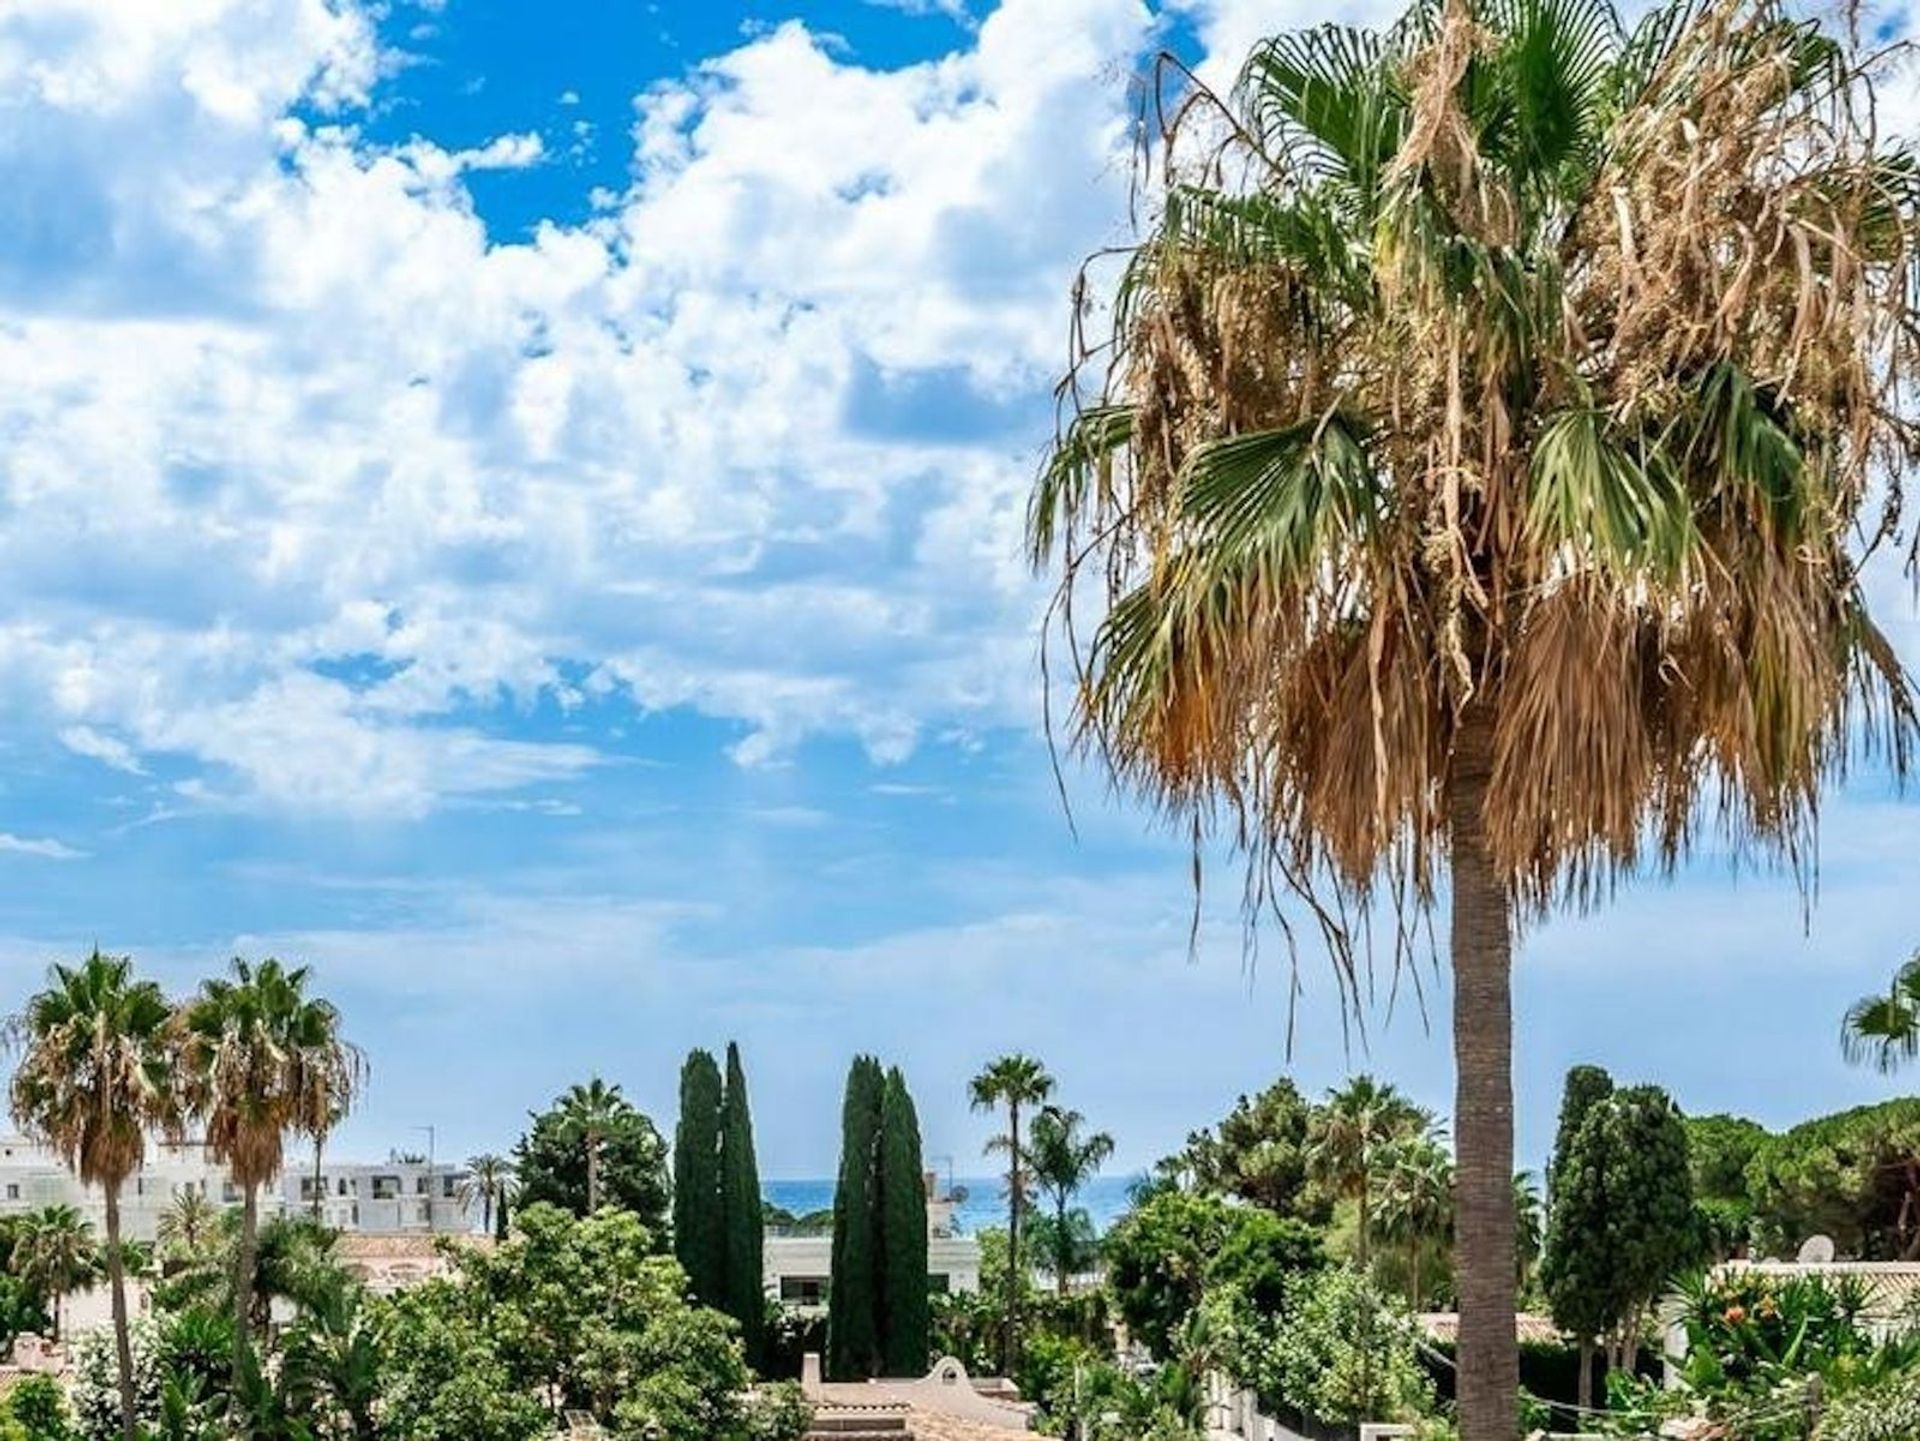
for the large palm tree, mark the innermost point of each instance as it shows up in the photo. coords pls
(1062, 1157)
(260, 1060)
(55, 1253)
(1473, 463)
(1345, 1140)
(95, 1078)
(485, 1184)
(1884, 1029)
(590, 1112)
(1016, 1082)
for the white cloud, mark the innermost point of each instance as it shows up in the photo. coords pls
(108, 750)
(755, 441)
(46, 849)
(356, 484)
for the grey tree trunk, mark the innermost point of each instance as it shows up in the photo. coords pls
(1482, 945)
(117, 1287)
(243, 1264)
(1010, 1343)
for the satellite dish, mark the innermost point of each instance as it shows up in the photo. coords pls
(1818, 1251)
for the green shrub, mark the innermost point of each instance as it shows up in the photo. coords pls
(36, 1407)
(778, 1413)
(1887, 1412)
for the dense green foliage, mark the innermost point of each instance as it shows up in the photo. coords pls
(1334, 1348)
(699, 1240)
(1257, 1153)
(552, 1160)
(1623, 1222)
(902, 1303)
(853, 1320)
(1765, 1353)
(1854, 1176)
(743, 1227)
(1164, 1255)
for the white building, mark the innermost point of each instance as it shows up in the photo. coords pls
(397, 1197)
(798, 1270)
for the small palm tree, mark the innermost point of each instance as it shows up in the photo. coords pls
(591, 1112)
(55, 1253)
(1883, 1030)
(1015, 1081)
(1062, 1159)
(187, 1226)
(95, 1077)
(1414, 1183)
(485, 1185)
(1346, 1137)
(261, 1060)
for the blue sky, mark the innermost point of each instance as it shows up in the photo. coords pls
(517, 505)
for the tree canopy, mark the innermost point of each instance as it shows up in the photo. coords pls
(551, 1161)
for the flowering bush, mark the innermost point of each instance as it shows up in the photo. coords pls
(96, 1386)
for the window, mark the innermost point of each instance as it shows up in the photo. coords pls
(939, 1283)
(386, 1188)
(447, 1185)
(419, 1185)
(13, 1190)
(803, 1290)
(343, 1187)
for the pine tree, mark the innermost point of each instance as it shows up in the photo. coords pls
(853, 1335)
(699, 1238)
(905, 1313)
(743, 1283)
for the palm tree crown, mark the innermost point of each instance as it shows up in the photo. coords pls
(1063, 1156)
(260, 1060)
(54, 1251)
(1348, 1134)
(95, 1076)
(485, 1185)
(1883, 1030)
(590, 1111)
(1471, 462)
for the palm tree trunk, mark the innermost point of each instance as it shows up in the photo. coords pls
(486, 1212)
(593, 1173)
(243, 1263)
(1060, 1239)
(117, 1291)
(1010, 1341)
(1482, 942)
(319, 1194)
(1360, 1248)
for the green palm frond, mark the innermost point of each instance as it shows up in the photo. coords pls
(1624, 506)
(1326, 101)
(1084, 458)
(1275, 501)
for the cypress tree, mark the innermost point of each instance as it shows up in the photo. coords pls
(743, 1284)
(699, 1240)
(1586, 1087)
(853, 1334)
(905, 1313)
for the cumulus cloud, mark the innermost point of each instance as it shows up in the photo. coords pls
(358, 481)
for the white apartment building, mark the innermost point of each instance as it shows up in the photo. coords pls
(396, 1197)
(797, 1270)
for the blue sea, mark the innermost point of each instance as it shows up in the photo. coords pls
(1105, 1199)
